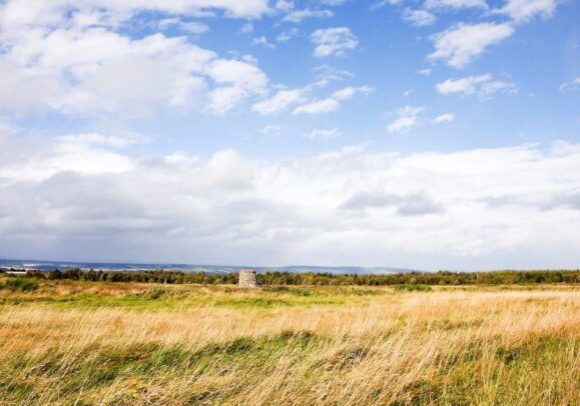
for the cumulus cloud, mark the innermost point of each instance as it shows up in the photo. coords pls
(460, 44)
(237, 80)
(331, 103)
(406, 118)
(444, 118)
(282, 100)
(287, 35)
(285, 99)
(55, 58)
(263, 41)
(482, 86)
(524, 10)
(418, 18)
(333, 41)
(64, 197)
(297, 16)
(24, 90)
(16, 13)
(192, 27)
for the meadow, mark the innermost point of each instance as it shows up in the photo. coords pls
(101, 343)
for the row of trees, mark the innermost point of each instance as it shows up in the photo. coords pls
(311, 278)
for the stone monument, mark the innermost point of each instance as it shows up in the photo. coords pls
(248, 278)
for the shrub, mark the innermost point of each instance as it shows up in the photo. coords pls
(19, 284)
(35, 274)
(413, 288)
(155, 294)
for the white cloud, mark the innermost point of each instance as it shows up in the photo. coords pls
(286, 98)
(331, 103)
(318, 107)
(424, 72)
(348, 92)
(382, 3)
(247, 28)
(524, 10)
(18, 13)
(192, 27)
(100, 140)
(326, 74)
(282, 100)
(238, 80)
(74, 60)
(482, 86)
(263, 41)
(24, 90)
(406, 118)
(333, 41)
(473, 209)
(418, 18)
(287, 35)
(237, 72)
(297, 16)
(324, 133)
(444, 118)
(460, 44)
(455, 4)
(573, 85)
(284, 5)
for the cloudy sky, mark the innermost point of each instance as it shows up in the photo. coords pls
(431, 134)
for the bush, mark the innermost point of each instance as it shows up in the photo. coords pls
(19, 284)
(413, 288)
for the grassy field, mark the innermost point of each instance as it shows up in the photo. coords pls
(130, 344)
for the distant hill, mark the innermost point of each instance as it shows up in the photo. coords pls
(336, 270)
(51, 265)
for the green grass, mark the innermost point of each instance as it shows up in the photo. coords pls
(161, 298)
(413, 288)
(19, 284)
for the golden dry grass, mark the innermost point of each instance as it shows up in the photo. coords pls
(329, 346)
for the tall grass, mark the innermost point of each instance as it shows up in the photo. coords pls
(311, 346)
(19, 284)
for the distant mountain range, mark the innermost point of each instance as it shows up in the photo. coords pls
(106, 266)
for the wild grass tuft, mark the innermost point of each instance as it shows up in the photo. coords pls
(19, 284)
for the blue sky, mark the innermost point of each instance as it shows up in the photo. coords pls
(430, 134)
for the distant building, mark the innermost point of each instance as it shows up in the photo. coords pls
(248, 278)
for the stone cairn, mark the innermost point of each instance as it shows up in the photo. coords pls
(248, 278)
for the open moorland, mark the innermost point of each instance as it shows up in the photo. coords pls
(100, 343)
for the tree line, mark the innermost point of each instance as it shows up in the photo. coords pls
(313, 278)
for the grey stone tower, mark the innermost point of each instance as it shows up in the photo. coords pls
(248, 278)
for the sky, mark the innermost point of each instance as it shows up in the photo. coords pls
(427, 134)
